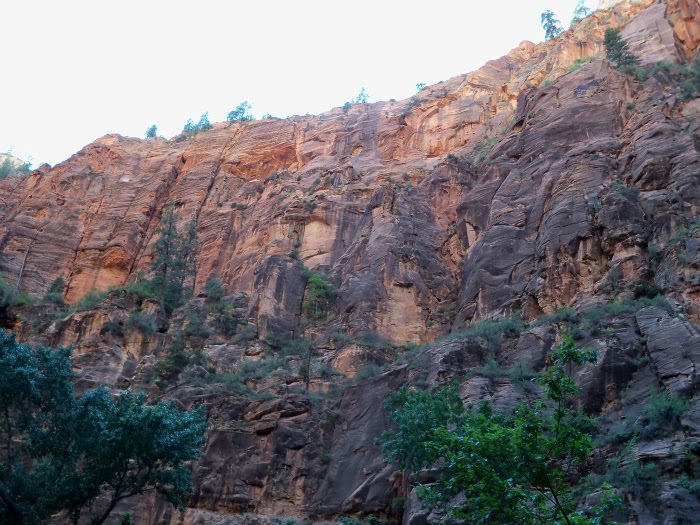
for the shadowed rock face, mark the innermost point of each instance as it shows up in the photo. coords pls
(490, 194)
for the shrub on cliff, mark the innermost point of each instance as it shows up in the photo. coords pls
(54, 295)
(61, 452)
(152, 132)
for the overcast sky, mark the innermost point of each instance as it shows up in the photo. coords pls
(76, 70)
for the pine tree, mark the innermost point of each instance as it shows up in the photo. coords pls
(551, 25)
(174, 260)
(617, 51)
(152, 132)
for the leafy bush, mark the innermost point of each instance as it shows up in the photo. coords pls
(214, 289)
(175, 360)
(661, 415)
(90, 300)
(368, 371)
(490, 370)
(195, 325)
(580, 62)
(140, 287)
(8, 295)
(142, 322)
(490, 330)
(152, 132)
(56, 291)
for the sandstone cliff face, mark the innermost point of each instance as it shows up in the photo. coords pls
(521, 188)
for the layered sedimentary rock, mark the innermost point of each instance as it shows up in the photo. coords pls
(519, 189)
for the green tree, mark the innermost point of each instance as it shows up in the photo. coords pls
(617, 51)
(241, 113)
(60, 452)
(7, 167)
(214, 289)
(550, 24)
(420, 86)
(580, 12)
(320, 294)
(362, 97)
(152, 132)
(191, 128)
(130, 447)
(416, 415)
(174, 260)
(204, 124)
(507, 467)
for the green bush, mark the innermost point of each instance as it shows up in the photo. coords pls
(8, 295)
(490, 330)
(320, 295)
(214, 289)
(175, 360)
(142, 322)
(580, 62)
(90, 300)
(368, 371)
(195, 326)
(141, 288)
(56, 291)
(661, 415)
(112, 327)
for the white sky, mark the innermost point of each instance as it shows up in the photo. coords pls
(73, 70)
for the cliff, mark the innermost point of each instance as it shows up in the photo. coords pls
(539, 182)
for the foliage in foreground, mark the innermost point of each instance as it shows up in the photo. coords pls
(508, 467)
(61, 452)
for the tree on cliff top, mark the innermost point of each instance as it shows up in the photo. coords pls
(551, 25)
(241, 113)
(60, 452)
